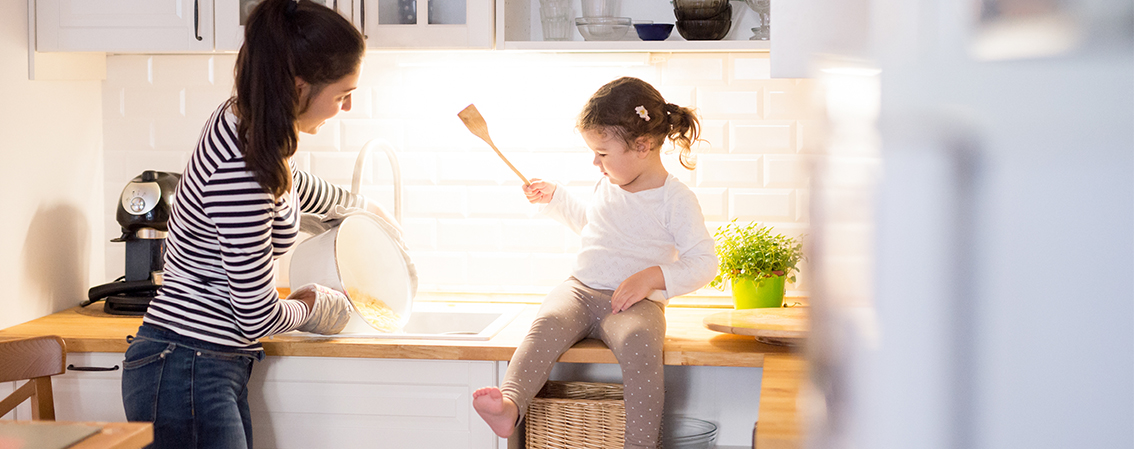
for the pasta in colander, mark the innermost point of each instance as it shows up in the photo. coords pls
(374, 311)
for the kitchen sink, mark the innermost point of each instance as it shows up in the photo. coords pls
(444, 321)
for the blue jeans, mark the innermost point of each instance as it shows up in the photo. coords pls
(195, 392)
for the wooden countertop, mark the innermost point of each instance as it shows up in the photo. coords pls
(687, 341)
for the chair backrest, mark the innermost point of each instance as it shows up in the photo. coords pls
(33, 359)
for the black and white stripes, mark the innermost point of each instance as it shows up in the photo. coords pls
(225, 233)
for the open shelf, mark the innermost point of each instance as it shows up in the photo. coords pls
(518, 28)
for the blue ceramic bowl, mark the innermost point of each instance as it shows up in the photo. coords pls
(653, 31)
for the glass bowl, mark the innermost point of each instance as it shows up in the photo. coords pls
(653, 31)
(603, 28)
(700, 9)
(703, 30)
(680, 432)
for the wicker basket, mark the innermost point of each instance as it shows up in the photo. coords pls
(576, 415)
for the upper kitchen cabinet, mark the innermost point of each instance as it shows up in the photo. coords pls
(522, 29)
(124, 25)
(232, 14)
(425, 24)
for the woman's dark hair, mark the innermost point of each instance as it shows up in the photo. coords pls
(614, 109)
(285, 40)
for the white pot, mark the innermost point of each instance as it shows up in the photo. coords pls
(357, 256)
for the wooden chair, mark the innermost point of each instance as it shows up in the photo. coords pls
(33, 359)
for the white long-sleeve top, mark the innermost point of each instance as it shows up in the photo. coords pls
(624, 233)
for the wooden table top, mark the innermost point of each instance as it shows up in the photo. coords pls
(687, 341)
(114, 435)
(777, 324)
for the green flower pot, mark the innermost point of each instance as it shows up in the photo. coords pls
(755, 294)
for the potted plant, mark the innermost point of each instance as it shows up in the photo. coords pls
(756, 262)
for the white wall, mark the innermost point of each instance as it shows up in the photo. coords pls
(50, 182)
(468, 225)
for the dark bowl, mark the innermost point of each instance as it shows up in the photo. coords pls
(653, 31)
(701, 11)
(703, 30)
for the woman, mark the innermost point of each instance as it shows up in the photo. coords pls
(235, 211)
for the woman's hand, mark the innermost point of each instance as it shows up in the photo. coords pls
(636, 287)
(539, 191)
(375, 208)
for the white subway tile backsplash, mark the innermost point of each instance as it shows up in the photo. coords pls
(728, 171)
(128, 134)
(712, 137)
(182, 70)
(746, 68)
(419, 234)
(122, 166)
(474, 168)
(328, 138)
(335, 167)
(788, 171)
(762, 204)
(152, 102)
(549, 270)
(435, 201)
(471, 234)
(703, 69)
(176, 134)
(201, 102)
(714, 203)
(356, 133)
(466, 220)
(498, 201)
(438, 269)
(500, 269)
(534, 235)
(728, 103)
(760, 137)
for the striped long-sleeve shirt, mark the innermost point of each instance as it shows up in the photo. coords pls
(225, 233)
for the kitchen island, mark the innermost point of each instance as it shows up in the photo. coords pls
(329, 367)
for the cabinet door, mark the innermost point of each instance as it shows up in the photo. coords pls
(91, 389)
(306, 402)
(124, 25)
(231, 15)
(426, 23)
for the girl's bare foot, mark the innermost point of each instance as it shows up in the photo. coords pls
(498, 411)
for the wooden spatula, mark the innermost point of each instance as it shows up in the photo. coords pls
(479, 128)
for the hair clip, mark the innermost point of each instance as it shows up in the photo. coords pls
(642, 112)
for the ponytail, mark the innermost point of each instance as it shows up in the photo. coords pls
(630, 108)
(285, 40)
(684, 129)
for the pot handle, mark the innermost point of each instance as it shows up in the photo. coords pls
(395, 169)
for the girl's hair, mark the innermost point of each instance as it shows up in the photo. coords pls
(630, 108)
(285, 40)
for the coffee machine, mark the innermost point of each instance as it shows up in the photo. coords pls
(143, 212)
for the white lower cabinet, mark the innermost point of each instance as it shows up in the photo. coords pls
(309, 402)
(91, 389)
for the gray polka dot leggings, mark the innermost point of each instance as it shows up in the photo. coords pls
(572, 312)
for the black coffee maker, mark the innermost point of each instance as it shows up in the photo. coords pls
(143, 213)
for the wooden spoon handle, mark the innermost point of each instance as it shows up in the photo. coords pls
(476, 125)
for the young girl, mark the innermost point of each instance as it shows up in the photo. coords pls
(235, 211)
(643, 241)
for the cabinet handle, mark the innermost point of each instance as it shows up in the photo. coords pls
(196, 21)
(362, 12)
(91, 368)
